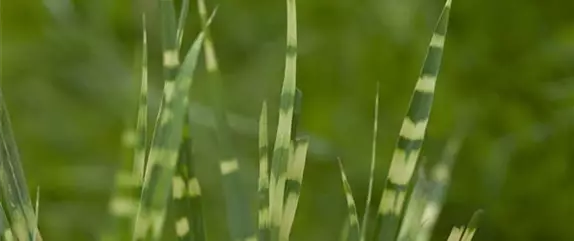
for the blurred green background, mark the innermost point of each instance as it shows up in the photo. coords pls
(70, 78)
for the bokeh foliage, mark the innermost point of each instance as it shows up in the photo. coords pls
(70, 73)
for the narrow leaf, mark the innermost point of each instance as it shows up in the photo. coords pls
(163, 153)
(470, 229)
(127, 187)
(239, 216)
(353, 225)
(455, 234)
(411, 223)
(283, 136)
(440, 177)
(5, 229)
(182, 19)
(365, 221)
(293, 184)
(466, 233)
(186, 193)
(263, 183)
(411, 137)
(13, 182)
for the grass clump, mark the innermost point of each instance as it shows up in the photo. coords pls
(161, 174)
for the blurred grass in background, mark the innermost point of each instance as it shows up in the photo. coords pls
(70, 82)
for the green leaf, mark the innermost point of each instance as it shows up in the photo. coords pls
(283, 136)
(239, 216)
(186, 193)
(127, 186)
(263, 183)
(295, 169)
(353, 224)
(364, 224)
(181, 23)
(13, 182)
(411, 137)
(163, 153)
(5, 229)
(466, 233)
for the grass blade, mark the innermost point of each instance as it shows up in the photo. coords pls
(466, 233)
(125, 198)
(411, 137)
(365, 221)
(293, 185)
(263, 183)
(140, 149)
(470, 229)
(439, 182)
(12, 181)
(411, 222)
(35, 237)
(237, 202)
(353, 233)
(455, 234)
(186, 193)
(282, 141)
(181, 23)
(5, 229)
(163, 153)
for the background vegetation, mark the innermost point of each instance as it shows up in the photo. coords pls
(70, 72)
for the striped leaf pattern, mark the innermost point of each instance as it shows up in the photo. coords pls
(353, 225)
(125, 198)
(466, 233)
(439, 181)
(283, 138)
(263, 182)
(14, 189)
(163, 153)
(411, 223)
(186, 193)
(455, 234)
(239, 215)
(411, 137)
(295, 169)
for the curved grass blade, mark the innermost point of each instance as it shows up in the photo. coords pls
(293, 185)
(186, 193)
(125, 198)
(353, 219)
(263, 183)
(237, 202)
(282, 141)
(365, 221)
(163, 153)
(411, 137)
(12, 181)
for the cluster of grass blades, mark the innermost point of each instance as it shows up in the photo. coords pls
(404, 215)
(18, 218)
(161, 171)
